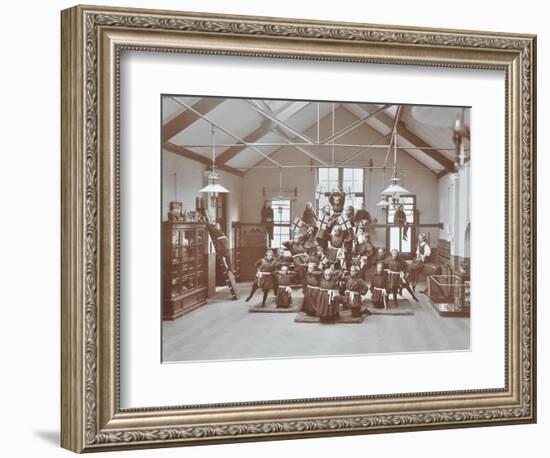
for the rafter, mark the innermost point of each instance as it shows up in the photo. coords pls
(188, 117)
(187, 153)
(254, 136)
(416, 141)
(282, 135)
(284, 124)
(360, 151)
(227, 131)
(354, 124)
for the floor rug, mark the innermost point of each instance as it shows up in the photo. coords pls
(304, 318)
(272, 309)
(403, 308)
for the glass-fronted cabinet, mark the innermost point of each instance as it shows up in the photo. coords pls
(184, 272)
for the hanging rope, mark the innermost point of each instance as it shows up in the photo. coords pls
(213, 148)
(280, 183)
(394, 140)
(332, 135)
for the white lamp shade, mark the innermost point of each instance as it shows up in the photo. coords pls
(383, 203)
(213, 185)
(394, 190)
(214, 188)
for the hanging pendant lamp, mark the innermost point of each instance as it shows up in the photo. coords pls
(383, 203)
(213, 187)
(394, 189)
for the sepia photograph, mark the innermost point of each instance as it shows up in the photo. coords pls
(304, 228)
(252, 202)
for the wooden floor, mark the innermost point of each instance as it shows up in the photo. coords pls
(224, 329)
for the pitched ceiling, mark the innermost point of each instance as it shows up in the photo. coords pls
(425, 131)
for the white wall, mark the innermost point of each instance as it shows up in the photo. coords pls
(190, 178)
(454, 210)
(29, 176)
(421, 182)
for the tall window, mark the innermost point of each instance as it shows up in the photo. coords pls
(396, 233)
(350, 180)
(281, 222)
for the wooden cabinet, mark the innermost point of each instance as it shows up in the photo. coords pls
(250, 242)
(184, 268)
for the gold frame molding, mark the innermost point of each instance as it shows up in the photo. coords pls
(92, 40)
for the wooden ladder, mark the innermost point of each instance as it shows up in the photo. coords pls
(229, 276)
(230, 281)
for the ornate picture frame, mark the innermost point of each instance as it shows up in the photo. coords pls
(92, 41)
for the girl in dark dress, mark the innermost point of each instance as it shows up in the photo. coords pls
(337, 237)
(267, 218)
(400, 220)
(379, 287)
(362, 216)
(264, 276)
(355, 287)
(284, 297)
(363, 247)
(363, 264)
(321, 258)
(309, 217)
(396, 268)
(311, 294)
(299, 256)
(327, 302)
(280, 260)
(406, 284)
(323, 233)
(349, 234)
(221, 244)
(337, 200)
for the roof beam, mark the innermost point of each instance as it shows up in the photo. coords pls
(188, 154)
(354, 124)
(282, 123)
(223, 129)
(188, 117)
(416, 141)
(358, 152)
(281, 134)
(252, 137)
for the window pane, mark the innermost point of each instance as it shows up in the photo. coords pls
(394, 238)
(286, 216)
(397, 242)
(351, 182)
(281, 211)
(348, 174)
(347, 186)
(322, 202)
(285, 233)
(356, 201)
(406, 244)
